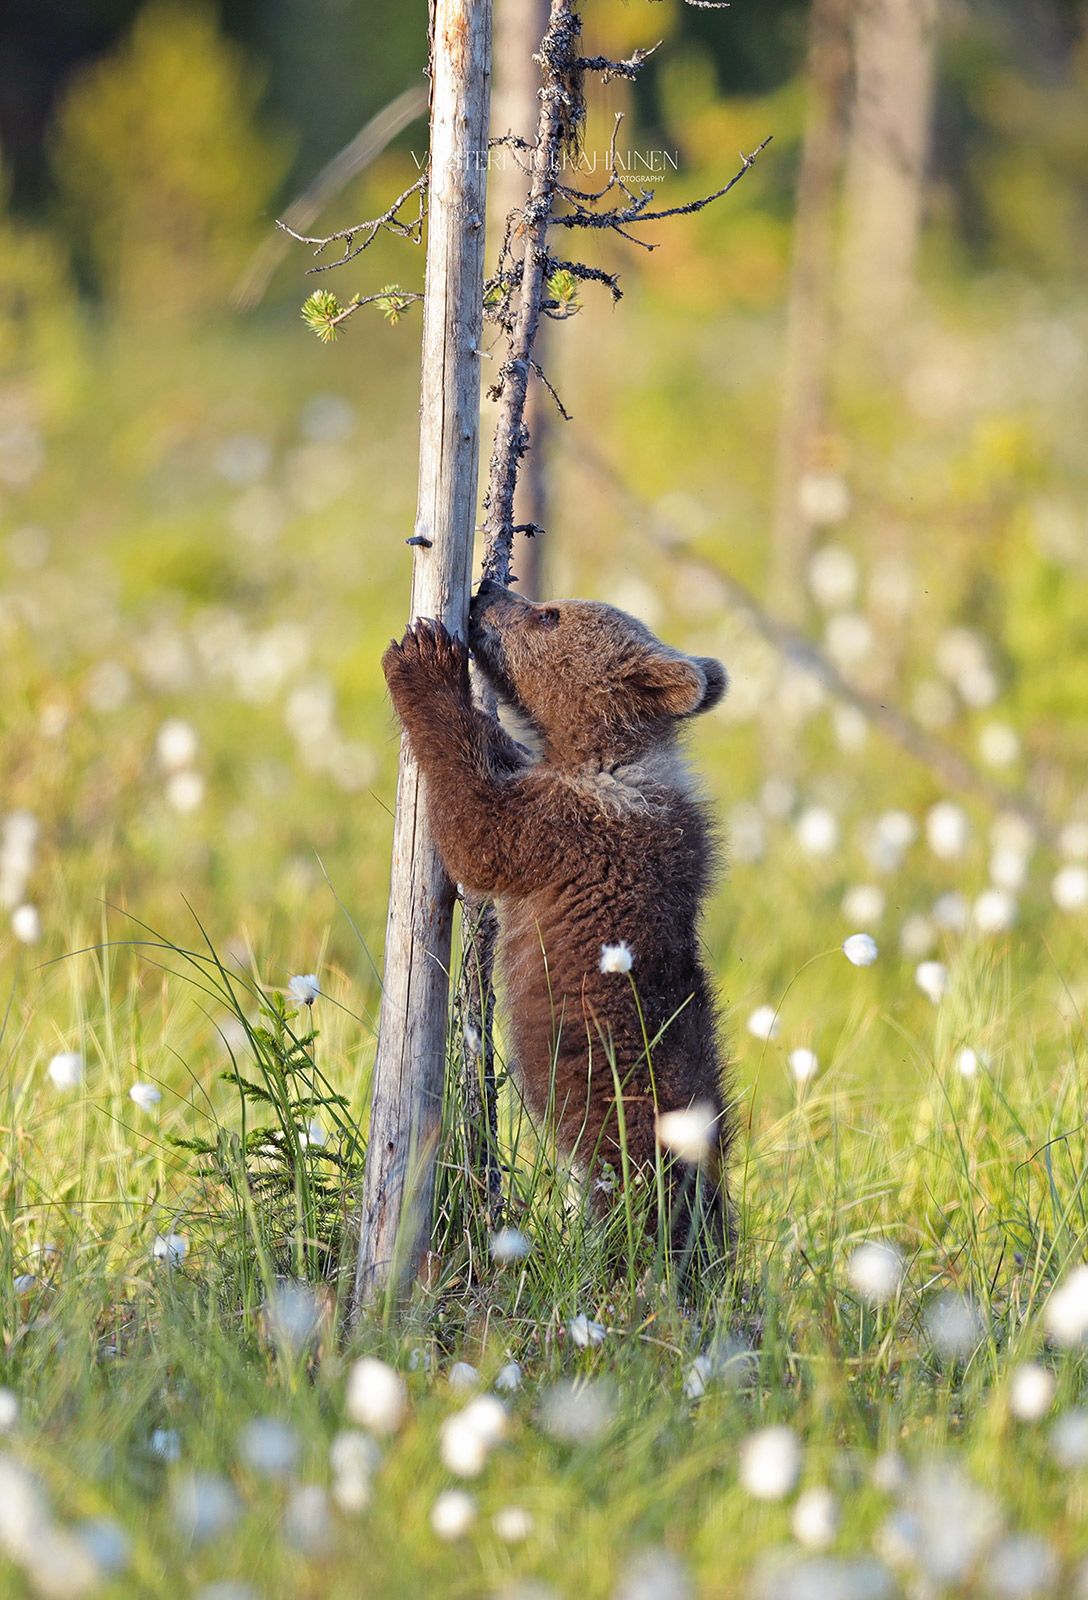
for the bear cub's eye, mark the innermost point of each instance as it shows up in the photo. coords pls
(547, 617)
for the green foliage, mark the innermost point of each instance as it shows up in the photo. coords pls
(562, 289)
(294, 1176)
(321, 312)
(165, 177)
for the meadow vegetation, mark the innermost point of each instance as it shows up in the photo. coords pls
(202, 524)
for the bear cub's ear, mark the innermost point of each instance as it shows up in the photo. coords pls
(717, 681)
(681, 686)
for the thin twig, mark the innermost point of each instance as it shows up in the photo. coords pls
(411, 230)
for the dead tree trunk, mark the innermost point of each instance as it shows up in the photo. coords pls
(887, 151)
(409, 1069)
(808, 318)
(519, 28)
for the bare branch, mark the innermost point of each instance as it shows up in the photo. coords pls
(412, 229)
(637, 213)
(616, 69)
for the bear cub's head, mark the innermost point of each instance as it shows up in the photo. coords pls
(594, 683)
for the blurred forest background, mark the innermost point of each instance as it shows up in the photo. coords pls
(857, 386)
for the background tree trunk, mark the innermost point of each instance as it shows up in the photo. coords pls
(519, 28)
(809, 313)
(887, 152)
(409, 1070)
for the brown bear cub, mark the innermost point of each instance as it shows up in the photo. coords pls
(597, 841)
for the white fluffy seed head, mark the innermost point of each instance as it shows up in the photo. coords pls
(1069, 890)
(947, 830)
(770, 1462)
(1031, 1391)
(509, 1244)
(453, 1514)
(932, 978)
(804, 1064)
(860, 949)
(304, 988)
(26, 924)
(584, 1332)
(145, 1095)
(376, 1397)
(689, 1134)
(170, 1247)
(875, 1271)
(815, 1519)
(617, 957)
(1066, 1313)
(764, 1023)
(66, 1069)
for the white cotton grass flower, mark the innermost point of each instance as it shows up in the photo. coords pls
(1068, 1439)
(270, 1447)
(948, 831)
(1073, 841)
(578, 1411)
(617, 958)
(185, 792)
(860, 949)
(850, 727)
(654, 1574)
(932, 978)
(1069, 887)
(176, 745)
(463, 1375)
(778, 796)
(889, 1473)
(293, 1316)
(804, 1064)
(818, 831)
(764, 1023)
(66, 1069)
(917, 936)
(1008, 868)
(689, 1134)
(509, 1244)
(509, 1377)
(955, 1523)
(512, 1524)
(107, 1544)
(584, 1332)
(453, 1514)
(1022, 1567)
(353, 1459)
(171, 1248)
(376, 1397)
(890, 839)
(1031, 1391)
(699, 1375)
(951, 911)
(954, 1325)
(26, 924)
(967, 1061)
(863, 905)
(145, 1095)
(770, 1463)
(999, 744)
(467, 1438)
(875, 1271)
(308, 1525)
(814, 1521)
(304, 988)
(9, 1409)
(849, 638)
(59, 1565)
(314, 1136)
(203, 1505)
(1065, 1315)
(832, 571)
(165, 1443)
(994, 911)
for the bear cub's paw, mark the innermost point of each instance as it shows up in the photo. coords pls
(428, 658)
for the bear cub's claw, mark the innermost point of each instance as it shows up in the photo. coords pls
(427, 650)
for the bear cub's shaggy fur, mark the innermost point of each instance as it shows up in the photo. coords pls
(597, 839)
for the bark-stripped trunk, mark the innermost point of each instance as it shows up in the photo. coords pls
(808, 323)
(887, 152)
(409, 1071)
(519, 28)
